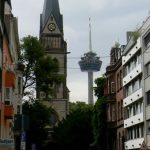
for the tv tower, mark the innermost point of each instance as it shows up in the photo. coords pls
(90, 63)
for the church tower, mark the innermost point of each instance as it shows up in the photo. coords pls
(52, 37)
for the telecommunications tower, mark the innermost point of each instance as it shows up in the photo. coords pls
(90, 63)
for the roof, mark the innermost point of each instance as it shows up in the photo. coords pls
(51, 7)
(9, 2)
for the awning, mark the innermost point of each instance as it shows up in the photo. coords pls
(9, 79)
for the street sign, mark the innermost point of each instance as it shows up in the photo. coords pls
(23, 141)
(23, 136)
(7, 143)
(33, 147)
(23, 146)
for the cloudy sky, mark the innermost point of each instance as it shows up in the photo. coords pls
(110, 21)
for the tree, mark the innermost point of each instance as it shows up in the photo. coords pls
(31, 52)
(100, 124)
(40, 69)
(99, 116)
(73, 106)
(39, 118)
(75, 132)
(99, 89)
(47, 77)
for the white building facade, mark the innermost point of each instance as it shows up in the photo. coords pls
(146, 78)
(133, 95)
(136, 83)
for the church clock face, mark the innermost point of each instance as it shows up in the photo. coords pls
(51, 27)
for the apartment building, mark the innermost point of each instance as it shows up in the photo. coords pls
(133, 96)
(145, 40)
(136, 85)
(114, 95)
(11, 91)
(1, 29)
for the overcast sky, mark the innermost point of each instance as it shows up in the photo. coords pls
(110, 21)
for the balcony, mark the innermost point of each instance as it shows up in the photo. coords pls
(133, 120)
(134, 144)
(133, 74)
(131, 53)
(8, 111)
(133, 98)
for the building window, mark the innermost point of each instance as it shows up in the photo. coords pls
(18, 109)
(108, 112)
(8, 93)
(134, 62)
(147, 41)
(135, 132)
(108, 87)
(148, 126)
(19, 85)
(148, 97)
(133, 87)
(8, 96)
(120, 78)
(121, 109)
(112, 87)
(113, 112)
(147, 68)
(119, 113)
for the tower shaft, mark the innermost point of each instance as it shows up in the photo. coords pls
(90, 88)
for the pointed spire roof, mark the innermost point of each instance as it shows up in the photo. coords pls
(9, 2)
(51, 7)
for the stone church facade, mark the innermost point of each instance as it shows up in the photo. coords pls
(52, 37)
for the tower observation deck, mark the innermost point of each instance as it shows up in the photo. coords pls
(90, 63)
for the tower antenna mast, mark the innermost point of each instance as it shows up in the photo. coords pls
(90, 35)
(90, 63)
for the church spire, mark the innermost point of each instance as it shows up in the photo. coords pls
(51, 7)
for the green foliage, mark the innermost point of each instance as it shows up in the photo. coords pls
(75, 132)
(31, 52)
(135, 35)
(39, 117)
(47, 77)
(78, 106)
(99, 124)
(99, 89)
(116, 45)
(99, 115)
(40, 69)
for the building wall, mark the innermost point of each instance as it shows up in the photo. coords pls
(114, 94)
(133, 96)
(146, 71)
(6, 63)
(119, 108)
(59, 105)
(10, 72)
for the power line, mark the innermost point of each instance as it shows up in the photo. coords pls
(73, 68)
